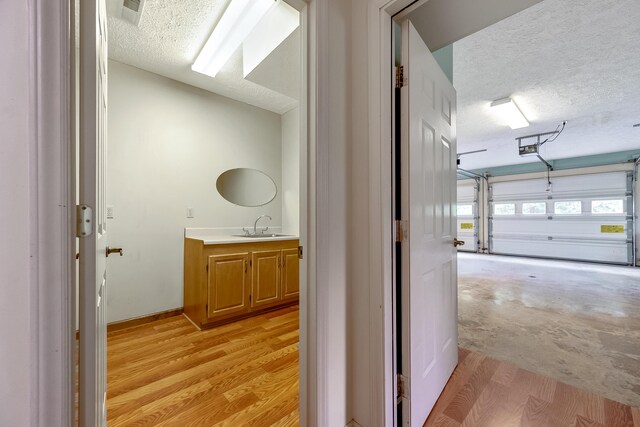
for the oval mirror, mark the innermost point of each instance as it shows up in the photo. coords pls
(246, 187)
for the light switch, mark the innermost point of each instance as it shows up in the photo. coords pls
(109, 212)
(191, 213)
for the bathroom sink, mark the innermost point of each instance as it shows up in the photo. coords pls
(262, 236)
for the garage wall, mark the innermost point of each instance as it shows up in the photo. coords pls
(637, 215)
(468, 214)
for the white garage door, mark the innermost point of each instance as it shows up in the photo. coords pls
(585, 217)
(468, 191)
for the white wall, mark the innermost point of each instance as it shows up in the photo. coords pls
(168, 142)
(333, 234)
(359, 385)
(16, 314)
(290, 188)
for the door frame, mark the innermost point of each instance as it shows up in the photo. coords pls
(382, 241)
(53, 173)
(52, 218)
(381, 14)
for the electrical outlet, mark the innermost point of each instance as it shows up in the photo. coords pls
(109, 212)
(191, 213)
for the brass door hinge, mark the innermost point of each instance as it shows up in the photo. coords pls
(400, 230)
(399, 77)
(401, 384)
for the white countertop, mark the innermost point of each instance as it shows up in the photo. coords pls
(217, 240)
(216, 236)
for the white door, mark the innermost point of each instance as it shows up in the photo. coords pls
(429, 284)
(93, 245)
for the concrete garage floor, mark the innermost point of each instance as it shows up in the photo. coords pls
(575, 322)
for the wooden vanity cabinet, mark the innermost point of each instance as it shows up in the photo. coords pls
(229, 281)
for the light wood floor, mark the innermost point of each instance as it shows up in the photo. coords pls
(166, 373)
(486, 392)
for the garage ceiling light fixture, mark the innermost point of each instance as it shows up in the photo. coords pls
(510, 113)
(238, 20)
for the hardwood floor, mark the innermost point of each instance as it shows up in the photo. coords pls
(486, 392)
(166, 373)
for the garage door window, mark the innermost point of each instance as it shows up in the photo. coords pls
(607, 207)
(573, 207)
(504, 209)
(534, 208)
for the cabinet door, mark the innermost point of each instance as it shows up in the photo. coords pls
(290, 274)
(228, 285)
(265, 283)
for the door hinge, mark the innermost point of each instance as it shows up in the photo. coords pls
(300, 252)
(84, 221)
(400, 230)
(401, 384)
(399, 77)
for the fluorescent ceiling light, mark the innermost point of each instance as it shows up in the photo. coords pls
(270, 32)
(238, 20)
(510, 113)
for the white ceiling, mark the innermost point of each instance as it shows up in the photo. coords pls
(172, 32)
(575, 60)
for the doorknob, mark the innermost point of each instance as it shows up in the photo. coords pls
(114, 251)
(457, 242)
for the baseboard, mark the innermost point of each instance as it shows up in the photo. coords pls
(137, 321)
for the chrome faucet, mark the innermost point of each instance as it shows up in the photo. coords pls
(255, 225)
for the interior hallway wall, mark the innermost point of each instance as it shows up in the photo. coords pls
(17, 327)
(168, 142)
(359, 380)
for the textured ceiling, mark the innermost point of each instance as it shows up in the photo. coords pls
(169, 37)
(575, 60)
